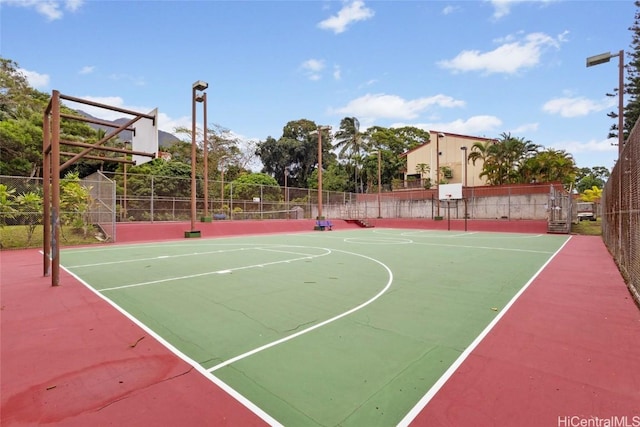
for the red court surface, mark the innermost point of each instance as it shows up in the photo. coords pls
(566, 351)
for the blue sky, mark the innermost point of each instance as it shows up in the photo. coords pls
(479, 68)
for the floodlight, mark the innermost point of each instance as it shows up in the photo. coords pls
(599, 59)
(441, 135)
(200, 85)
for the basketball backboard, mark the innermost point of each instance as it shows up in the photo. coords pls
(145, 138)
(450, 191)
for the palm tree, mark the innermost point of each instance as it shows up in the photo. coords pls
(503, 158)
(349, 141)
(485, 151)
(423, 169)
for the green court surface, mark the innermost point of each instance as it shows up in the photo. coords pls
(346, 328)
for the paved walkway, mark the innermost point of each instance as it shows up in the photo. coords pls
(568, 350)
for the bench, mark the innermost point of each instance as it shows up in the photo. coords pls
(323, 224)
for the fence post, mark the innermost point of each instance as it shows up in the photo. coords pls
(152, 194)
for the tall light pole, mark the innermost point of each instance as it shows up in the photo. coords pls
(601, 59)
(222, 165)
(319, 131)
(379, 184)
(286, 191)
(465, 193)
(438, 136)
(197, 86)
(205, 153)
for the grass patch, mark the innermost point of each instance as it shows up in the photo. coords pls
(587, 228)
(16, 237)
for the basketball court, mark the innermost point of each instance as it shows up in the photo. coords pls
(354, 327)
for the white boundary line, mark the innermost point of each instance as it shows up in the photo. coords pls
(454, 367)
(316, 326)
(224, 271)
(217, 381)
(208, 373)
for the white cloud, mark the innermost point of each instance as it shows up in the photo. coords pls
(51, 9)
(337, 72)
(603, 145)
(313, 68)
(509, 58)
(35, 79)
(73, 5)
(525, 128)
(351, 12)
(87, 69)
(501, 8)
(394, 107)
(368, 83)
(448, 10)
(476, 125)
(576, 107)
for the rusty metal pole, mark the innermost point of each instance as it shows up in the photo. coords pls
(319, 172)
(46, 190)
(193, 159)
(621, 103)
(205, 162)
(379, 185)
(55, 190)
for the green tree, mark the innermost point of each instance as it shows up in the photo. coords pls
(296, 151)
(632, 87)
(593, 194)
(30, 205)
(21, 115)
(7, 204)
(351, 146)
(483, 151)
(550, 166)
(248, 186)
(75, 203)
(335, 178)
(391, 142)
(587, 178)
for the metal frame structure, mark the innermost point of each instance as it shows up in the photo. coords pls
(52, 167)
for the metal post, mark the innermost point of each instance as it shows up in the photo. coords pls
(205, 162)
(286, 192)
(319, 172)
(46, 190)
(379, 185)
(193, 159)
(465, 188)
(55, 190)
(222, 188)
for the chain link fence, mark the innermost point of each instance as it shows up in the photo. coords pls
(621, 212)
(156, 198)
(118, 197)
(21, 205)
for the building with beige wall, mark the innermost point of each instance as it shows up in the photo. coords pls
(450, 161)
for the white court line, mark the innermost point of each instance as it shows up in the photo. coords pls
(208, 273)
(314, 327)
(156, 258)
(484, 248)
(198, 367)
(454, 367)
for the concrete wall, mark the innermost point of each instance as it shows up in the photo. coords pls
(527, 206)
